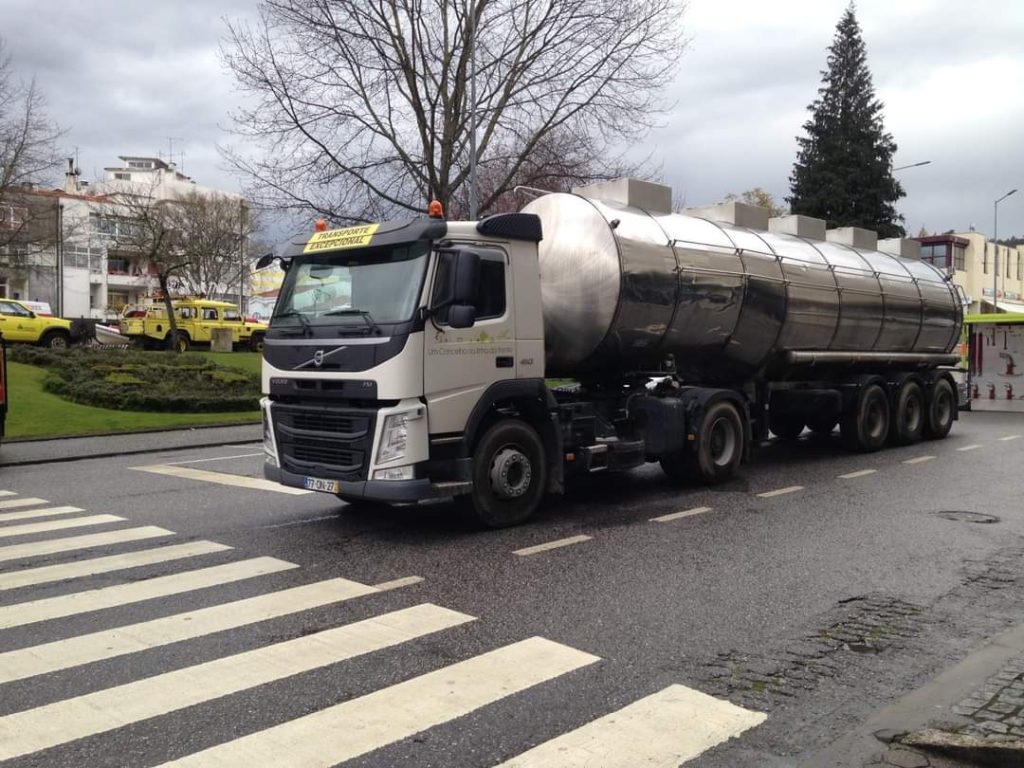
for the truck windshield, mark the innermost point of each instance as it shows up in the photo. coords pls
(344, 288)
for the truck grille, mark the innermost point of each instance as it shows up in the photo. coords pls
(324, 441)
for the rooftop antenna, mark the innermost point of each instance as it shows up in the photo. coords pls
(170, 147)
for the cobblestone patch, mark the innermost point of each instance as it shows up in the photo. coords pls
(866, 625)
(996, 708)
(999, 572)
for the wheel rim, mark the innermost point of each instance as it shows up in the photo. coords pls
(722, 442)
(510, 473)
(58, 342)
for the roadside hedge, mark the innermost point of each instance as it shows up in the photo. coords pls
(133, 380)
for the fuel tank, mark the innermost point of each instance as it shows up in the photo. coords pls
(623, 288)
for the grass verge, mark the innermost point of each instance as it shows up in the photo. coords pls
(35, 413)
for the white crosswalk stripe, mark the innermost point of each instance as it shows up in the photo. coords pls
(80, 568)
(109, 644)
(360, 725)
(8, 493)
(73, 543)
(44, 512)
(661, 731)
(221, 478)
(22, 502)
(105, 710)
(35, 611)
(7, 531)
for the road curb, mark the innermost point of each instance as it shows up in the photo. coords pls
(152, 431)
(131, 452)
(926, 709)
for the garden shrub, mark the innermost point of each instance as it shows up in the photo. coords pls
(134, 380)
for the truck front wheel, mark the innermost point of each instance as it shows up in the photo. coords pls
(509, 476)
(55, 340)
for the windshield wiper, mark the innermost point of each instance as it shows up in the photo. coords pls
(370, 324)
(307, 329)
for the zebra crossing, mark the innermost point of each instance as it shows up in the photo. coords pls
(666, 728)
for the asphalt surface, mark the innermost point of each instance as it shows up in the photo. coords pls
(816, 606)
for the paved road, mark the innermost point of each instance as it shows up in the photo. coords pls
(169, 607)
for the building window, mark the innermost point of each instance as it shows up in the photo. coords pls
(146, 164)
(958, 258)
(117, 300)
(12, 216)
(984, 260)
(123, 176)
(117, 266)
(1018, 267)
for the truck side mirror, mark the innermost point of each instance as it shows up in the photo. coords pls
(465, 278)
(461, 315)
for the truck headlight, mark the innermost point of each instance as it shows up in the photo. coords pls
(393, 439)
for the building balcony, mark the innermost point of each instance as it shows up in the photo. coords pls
(129, 280)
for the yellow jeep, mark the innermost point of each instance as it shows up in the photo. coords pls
(147, 325)
(19, 323)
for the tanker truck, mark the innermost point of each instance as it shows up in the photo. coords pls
(419, 359)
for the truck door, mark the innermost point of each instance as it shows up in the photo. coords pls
(209, 320)
(16, 323)
(460, 363)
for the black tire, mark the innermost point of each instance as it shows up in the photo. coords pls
(785, 425)
(717, 452)
(822, 425)
(509, 476)
(181, 345)
(865, 425)
(909, 417)
(940, 409)
(55, 340)
(256, 342)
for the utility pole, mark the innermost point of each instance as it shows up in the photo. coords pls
(995, 250)
(241, 257)
(471, 42)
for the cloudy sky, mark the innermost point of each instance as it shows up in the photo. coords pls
(124, 76)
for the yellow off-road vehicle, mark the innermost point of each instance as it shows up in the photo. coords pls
(19, 323)
(196, 319)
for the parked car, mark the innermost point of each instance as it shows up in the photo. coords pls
(196, 320)
(18, 323)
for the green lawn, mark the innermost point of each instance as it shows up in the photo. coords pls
(35, 413)
(247, 361)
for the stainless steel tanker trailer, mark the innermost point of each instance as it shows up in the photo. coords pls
(409, 360)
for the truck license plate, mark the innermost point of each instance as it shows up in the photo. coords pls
(319, 484)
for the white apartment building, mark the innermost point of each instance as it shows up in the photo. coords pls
(98, 280)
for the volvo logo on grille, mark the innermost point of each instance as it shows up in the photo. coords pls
(318, 358)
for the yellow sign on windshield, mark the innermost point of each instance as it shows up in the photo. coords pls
(334, 239)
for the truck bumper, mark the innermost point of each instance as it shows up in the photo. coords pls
(395, 491)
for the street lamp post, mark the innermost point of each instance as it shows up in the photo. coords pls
(471, 40)
(995, 250)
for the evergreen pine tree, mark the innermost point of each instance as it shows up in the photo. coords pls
(843, 170)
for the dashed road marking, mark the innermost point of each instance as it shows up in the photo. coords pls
(120, 641)
(918, 460)
(1010, 437)
(44, 512)
(72, 543)
(80, 568)
(858, 473)
(63, 721)
(361, 725)
(408, 581)
(8, 493)
(222, 478)
(780, 491)
(665, 729)
(679, 515)
(27, 501)
(970, 447)
(557, 544)
(20, 614)
(8, 531)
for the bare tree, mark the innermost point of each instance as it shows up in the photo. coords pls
(212, 231)
(361, 108)
(28, 151)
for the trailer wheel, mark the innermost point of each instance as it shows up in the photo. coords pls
(865, 425)
(940, 410)
(785, 425)
(909, 418)
(717, 453)
(509, 476)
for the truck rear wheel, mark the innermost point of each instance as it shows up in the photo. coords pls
(509, 476)
(865, 425)
(180, 343)
(718, 450)
(909, 417)
(940, 410)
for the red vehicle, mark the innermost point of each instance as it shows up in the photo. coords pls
(3, 385)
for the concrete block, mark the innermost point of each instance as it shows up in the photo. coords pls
(737, 214)
(651, 197)
(854, 236)
(801, 226)
(901, 246)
